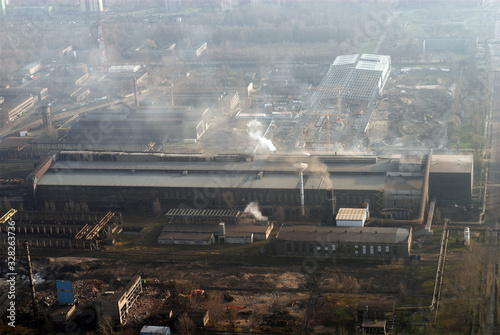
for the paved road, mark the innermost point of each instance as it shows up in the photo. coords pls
(493, 203)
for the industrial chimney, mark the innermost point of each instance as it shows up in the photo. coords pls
(301, 167)
(135, 93)
(47, 121)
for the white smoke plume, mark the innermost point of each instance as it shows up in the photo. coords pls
(253, 208)
(255, 133)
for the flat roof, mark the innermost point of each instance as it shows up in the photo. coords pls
(189, 236)
(345, 59)
(231, 229)
(256, 166)
(325, 234)
(408, 184)
(358, 76)
(351, 214)
(189, 212)
(452, 163)
(209, 180)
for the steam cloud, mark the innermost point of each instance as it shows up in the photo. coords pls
(255, 133)
(253, 208)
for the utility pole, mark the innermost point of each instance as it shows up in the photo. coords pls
(32, 283)
(103, 61)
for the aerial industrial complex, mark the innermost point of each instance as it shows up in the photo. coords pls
(174, 166)
(397, 184)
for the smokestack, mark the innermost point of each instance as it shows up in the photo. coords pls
(32, 283)
(47, 121)
(172, 94)
(135, 93)
(301, 167)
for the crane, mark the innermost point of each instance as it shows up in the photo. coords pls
(326, 114)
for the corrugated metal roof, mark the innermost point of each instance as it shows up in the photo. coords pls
(352, 214)
(324, 234)
(189, 236)
(285, 181)
(202, 212)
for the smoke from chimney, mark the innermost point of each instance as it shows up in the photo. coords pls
(253, 208)
(255, 133)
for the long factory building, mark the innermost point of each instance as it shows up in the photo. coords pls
(398, 184)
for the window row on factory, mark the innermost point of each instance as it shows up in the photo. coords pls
(323, 249)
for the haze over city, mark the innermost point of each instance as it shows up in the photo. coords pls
(249, 166)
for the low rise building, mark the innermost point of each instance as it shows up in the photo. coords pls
(344, 242)
(451, 177)
(352, 217)
(118, 304)
(375, 317)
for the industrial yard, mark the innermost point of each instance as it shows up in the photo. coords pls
(269, 167)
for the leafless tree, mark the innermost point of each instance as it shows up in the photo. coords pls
(105, 325)
(6, 204)
(280, 215)
(215, 307)
(157, 209)
(184, 325)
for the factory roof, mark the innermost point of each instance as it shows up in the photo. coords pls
(358, 76)
(257, 165)
(324, 234)
(186, 235)
(231, 229)
(192, 228)
(209, 180)
(406, 184)
(202, 212)
(452, 163)
(351, 214)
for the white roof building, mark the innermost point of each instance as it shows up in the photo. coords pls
(352, 217)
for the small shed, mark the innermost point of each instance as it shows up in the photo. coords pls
(200, 317)
(23, 132)
(154, 330)
(352, 217)
(63, 314)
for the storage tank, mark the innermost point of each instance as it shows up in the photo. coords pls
(466, 236)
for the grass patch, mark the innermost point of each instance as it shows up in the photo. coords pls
(369, 46)
(466, 135)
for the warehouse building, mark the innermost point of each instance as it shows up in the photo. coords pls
(358, 76)
(142, 126)
(344, 242)
(451, 177)
(38, 93)
(446, 45)
(209, 226)
(352, 217)
(135, 180)
(12, 109)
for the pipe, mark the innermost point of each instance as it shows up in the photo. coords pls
(135, 93)
(302, 193)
